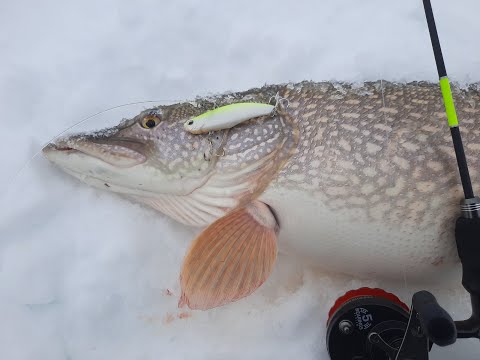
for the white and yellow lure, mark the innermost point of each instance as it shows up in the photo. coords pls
(226, 117)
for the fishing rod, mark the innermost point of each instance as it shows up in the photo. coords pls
(373, 324)
(467, 227)
(449, 104)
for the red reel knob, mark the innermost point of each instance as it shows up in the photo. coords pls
(364, 292)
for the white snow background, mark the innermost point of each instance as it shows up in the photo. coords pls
(87, 275)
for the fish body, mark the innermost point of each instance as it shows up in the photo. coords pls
(359, 179)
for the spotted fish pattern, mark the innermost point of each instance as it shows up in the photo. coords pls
(381, 150)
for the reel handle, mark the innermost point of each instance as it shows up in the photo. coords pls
(467, 235)
(435, 321)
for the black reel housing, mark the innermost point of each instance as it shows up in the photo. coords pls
(372, 324)
(366, 324)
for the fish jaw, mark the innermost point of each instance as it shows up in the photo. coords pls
(111, 153)
(116, 165)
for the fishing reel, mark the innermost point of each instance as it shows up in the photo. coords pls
(372, 324)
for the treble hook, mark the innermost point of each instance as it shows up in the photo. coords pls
(279, 102)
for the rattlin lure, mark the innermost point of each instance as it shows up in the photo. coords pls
(226, 117)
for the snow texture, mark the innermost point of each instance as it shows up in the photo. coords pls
(87, 275)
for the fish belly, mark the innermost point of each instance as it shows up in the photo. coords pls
(336, 242)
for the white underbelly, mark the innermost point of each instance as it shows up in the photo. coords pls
(328, 239)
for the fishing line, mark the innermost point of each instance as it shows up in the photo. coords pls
(28, 162)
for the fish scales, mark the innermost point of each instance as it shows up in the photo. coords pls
(363, 147)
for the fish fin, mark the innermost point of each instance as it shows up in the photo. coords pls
(230, 259)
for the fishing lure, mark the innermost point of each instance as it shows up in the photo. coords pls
(226, 117)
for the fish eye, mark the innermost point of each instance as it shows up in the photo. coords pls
(190, 122)
(150, 121)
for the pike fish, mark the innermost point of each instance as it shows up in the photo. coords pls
(357, 179)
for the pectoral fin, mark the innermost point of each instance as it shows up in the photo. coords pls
(230, 259)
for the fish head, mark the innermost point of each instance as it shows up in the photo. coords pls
(148, 154)
(194, 178)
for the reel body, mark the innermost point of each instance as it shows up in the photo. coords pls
(367, 324)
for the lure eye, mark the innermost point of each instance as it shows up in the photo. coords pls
(190, 122)
(150, 121)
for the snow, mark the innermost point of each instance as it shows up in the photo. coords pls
(86, 275)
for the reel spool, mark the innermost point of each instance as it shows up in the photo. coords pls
(366, 324)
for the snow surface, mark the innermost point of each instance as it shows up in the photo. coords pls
(86, 275)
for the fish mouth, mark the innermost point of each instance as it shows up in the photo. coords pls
(118, 152)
